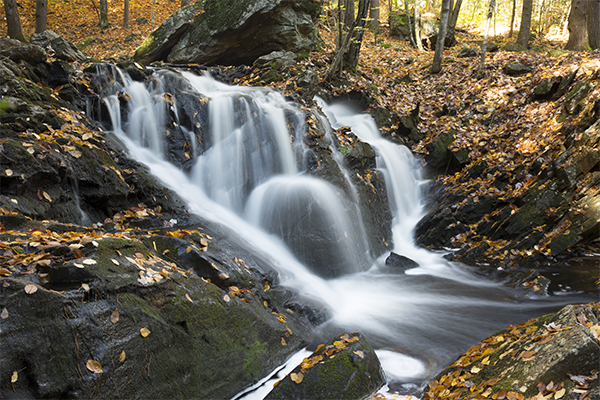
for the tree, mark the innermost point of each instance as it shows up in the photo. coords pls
(374, 13)
(103, 14)
(348, 14)
(41, 15)
(416, 28)
(439, 47)
(13, 21)
(593, 23)
(578, 32)
(357, 35)
(126, 14)
(485, 36)
(512, 18)
(453, 19)
(525, 28)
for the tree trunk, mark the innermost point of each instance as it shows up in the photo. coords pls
(512, 18)
(13, 22)
(439, 47)
(374, 13)
(41, 15)
(417, 27)
(578, 35)
(103, 14)
(565, 20)
(524, 30)
(348, 14)
(126, 14)
(357, 35)
(593, 23)
(453, 19)
(406, 7)
(485, 37)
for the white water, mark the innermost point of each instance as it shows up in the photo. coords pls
(249, 180)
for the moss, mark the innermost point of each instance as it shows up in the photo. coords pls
(254, 355)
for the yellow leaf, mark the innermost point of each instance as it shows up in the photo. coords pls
(14, 377)
(559, 393)
(187, 296)
(226, 298)
(114, 261)
(475, 370)
(5, 272)
(8, 172)
(189, 248)
(297, 377)
(31, 288)
(4, 313)
(47, 196)
(283, 343)
(114, 317)
(122, 356)
(267, 286)
(89, 261)
(144, 332)
(94, 366)
(359, 353)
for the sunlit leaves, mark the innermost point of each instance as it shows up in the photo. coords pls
(114, 317)
(122, 356)
(144, 332)
(14, 377)
(94, 366)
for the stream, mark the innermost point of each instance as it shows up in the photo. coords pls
(251, 178)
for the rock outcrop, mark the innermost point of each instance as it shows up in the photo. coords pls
(554, 356)
(233, 32)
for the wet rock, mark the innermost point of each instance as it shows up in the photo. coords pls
(61, 48)
(517, 68)
(277, 58)
(557, 353)
(443, 159)
(400, 261)
(233, 32)
(344, 368)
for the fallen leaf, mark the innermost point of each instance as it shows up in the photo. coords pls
(89, 261)
(115, 261)
(85, 287)
(559, 394)
(144, 332)
(297, 377)
(4, 313)
(94, 366)
(114, 317)
(359, 353)
(79, 265)
(122, 356)
(187, 296)
(14, 377)
(5, 272)
(31, 288)
(47, 196)
(283, 343)
(8, 172)
(226, 298)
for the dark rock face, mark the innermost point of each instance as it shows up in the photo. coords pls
(344, 368)
(556, 353)
(516, 69)
(61, 48)
(233, 32)
(401, 262)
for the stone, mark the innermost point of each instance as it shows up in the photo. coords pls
(546, 88)
(279, 58)
(400, 25)
(234, 32)
(517, 68)
(344, 368)
(400, 261)
(573, 103)
(18, 51)
(468, 52)
(61, 48)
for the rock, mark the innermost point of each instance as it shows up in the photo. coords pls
(515, 47)
(546, 88)
(344, 368)
(441, 158)
(516, 69)
(279, 58)
(18, 51)
(233, 32)
(557, 353)
(400, 261)
(565, 83)
(573, 103)
(54, 44)
(468, 52)
(400, 25)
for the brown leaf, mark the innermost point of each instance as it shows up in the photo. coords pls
(5, 272)
(187, 296)
(94, 366)
(114, 317)
(4, 313)
(297, 378)
(31, 288)
(122, 356)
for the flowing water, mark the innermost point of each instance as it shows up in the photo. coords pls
(249, 175)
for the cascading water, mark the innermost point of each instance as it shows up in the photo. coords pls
(248, 174)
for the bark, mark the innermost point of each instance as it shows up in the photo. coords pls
(417, 27)
(565, 20)
(439, 47)
(453, 19)
(593, 23)
(525, 28)
(13, 21)
(126, 14)
(374, 13)
(485, 36)
(348, 15)
(41, 15)
(103, 14)
(357, 35)
(512, 18)
(578, 35)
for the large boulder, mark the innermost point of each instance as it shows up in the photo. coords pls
(344, 368)
(554, 356)
(233, 32)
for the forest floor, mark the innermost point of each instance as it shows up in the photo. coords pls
(494, 117)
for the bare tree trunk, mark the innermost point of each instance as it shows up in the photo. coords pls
(13, 21)
(126, 14)
(542, 7)
(406, 7)
(578, 35)
(340, 35)
(357, 35)
(452, 20)
(41, 15)
(565, 21)
(593, 23)
(103, 14)
(475, 7)
(374, 14)
(417, 27)
(348, 15)
(485, 37)
(525, 28)
(439, 47)
(512, 18)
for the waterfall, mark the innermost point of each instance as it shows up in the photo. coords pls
(243, 166)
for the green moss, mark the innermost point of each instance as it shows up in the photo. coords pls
(254, 355)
